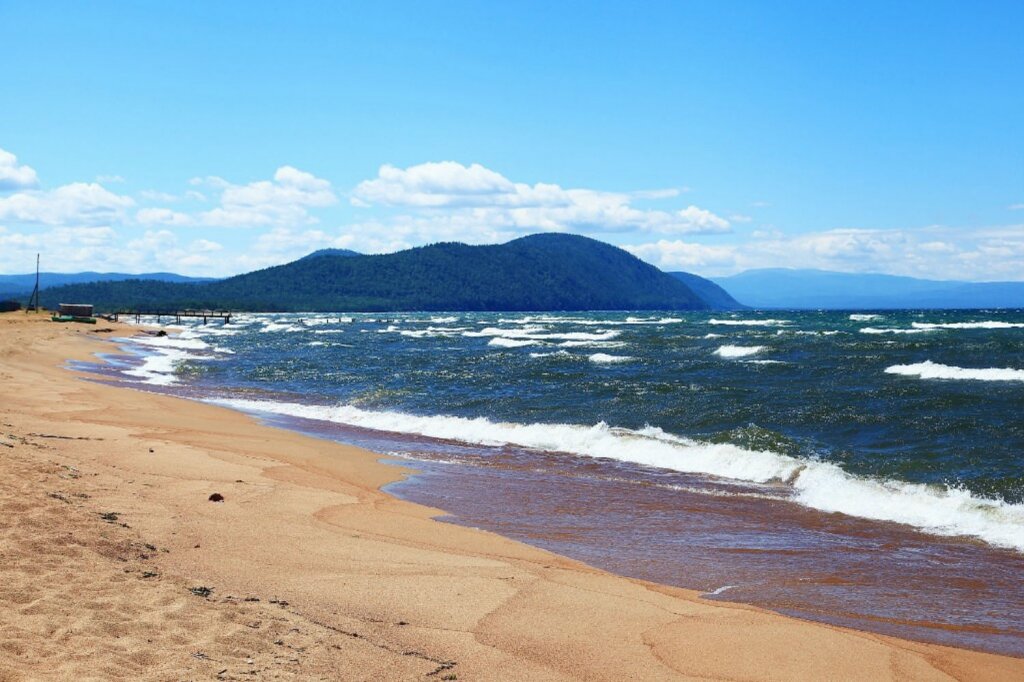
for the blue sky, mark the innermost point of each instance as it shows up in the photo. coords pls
(213, 138)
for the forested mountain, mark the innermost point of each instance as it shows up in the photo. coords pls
(540, 272)
(716, 296)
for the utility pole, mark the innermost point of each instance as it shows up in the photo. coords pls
(33, 302)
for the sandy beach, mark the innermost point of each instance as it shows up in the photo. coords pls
(114, 563)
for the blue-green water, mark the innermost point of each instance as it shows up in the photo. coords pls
(891, 429)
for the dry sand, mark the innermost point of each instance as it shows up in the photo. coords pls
(106, 532)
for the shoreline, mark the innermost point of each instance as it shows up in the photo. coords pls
(379, 589)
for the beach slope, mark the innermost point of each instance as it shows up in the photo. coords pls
(114, 563)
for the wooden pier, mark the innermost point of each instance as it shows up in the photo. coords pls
(207, 315)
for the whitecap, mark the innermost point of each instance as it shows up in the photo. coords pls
(750, 323)
(605, 359)
(984, 324)
(934, 370)
(738, 351)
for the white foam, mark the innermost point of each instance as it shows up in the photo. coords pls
(859, 317)
(750, 323)
(714, 336)
(592, 344)
(738, 351)
(877, 330)
(605, 359)
(820, 485)
(933, 370)
(171, 342)
(554, 319)
(158, 369)
(553, 354)
(540, 334)
(502, 342)
(280, 326)
(984, 324)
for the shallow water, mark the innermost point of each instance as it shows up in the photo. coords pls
(706, 451)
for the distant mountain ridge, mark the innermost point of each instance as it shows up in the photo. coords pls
(540, 272)
(785, 288)
(22, 285)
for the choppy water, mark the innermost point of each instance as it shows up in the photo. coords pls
(807, 461)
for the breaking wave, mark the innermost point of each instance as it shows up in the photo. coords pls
(984, 324)
(738, 351)
(934, 370)
(820, 485)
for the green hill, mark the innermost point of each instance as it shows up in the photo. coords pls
(539, 272)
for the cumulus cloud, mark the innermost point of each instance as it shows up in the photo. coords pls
(75, 203)
(285, 200)
(932, 253)
(162, 216)
(14, 176)
(450, 198)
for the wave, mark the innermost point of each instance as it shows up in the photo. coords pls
(738, 351)
(816, 484)
(554, 354)
(933, 370)
(170, 342)
(750, 323)
(502, 342)
(892, 330)
(859, 317)
(158, 369)
(541, 334)
(592, 344)
(554, 319)
(714, 336)
(984, 324)
(430, 332)
(605, 359)
(280, 326)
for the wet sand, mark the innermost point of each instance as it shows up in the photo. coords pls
(114, 564)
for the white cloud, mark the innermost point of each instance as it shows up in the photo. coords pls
(680, 255)
(76, 203)
(285, 200)
(474, 203)
(109, 179)
(932, 253)
(1016, 207)
(14, 175)
(162, 216)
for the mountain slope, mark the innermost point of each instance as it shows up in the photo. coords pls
(540, 272)
(783, 288)
(714, 295)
